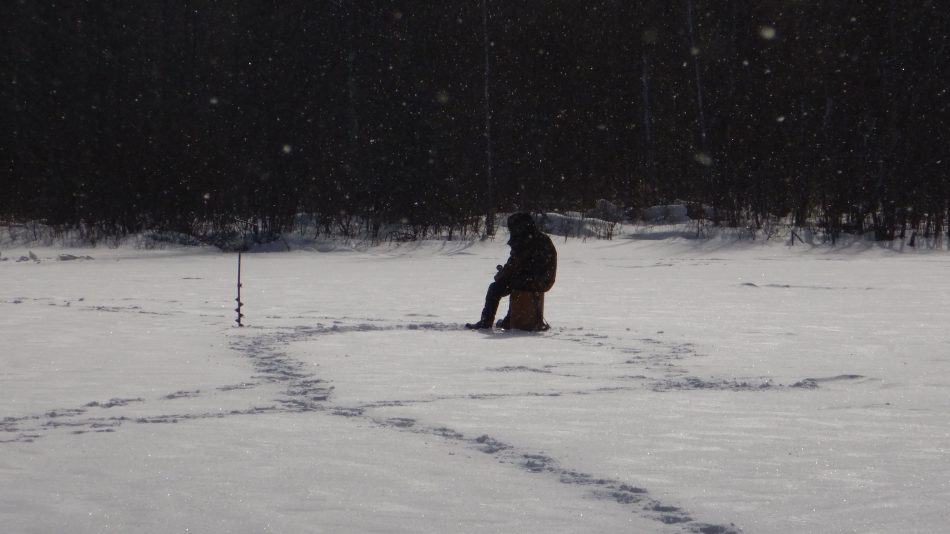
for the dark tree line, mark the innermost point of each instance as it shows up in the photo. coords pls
(189, 116)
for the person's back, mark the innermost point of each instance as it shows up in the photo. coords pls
(533, 256)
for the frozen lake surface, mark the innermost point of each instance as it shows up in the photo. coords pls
(685, 386)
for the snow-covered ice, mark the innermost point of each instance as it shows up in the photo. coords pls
(685, 386)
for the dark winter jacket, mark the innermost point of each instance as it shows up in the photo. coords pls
(533, 262)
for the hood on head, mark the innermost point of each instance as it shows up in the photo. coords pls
(521, 223)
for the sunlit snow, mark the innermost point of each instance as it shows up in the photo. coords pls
(685, 385)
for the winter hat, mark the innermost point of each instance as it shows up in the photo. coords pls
(520, 223)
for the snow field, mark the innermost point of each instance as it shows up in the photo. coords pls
(698, 386)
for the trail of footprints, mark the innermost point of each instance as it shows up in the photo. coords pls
(301, 391)
(541, 464)
(92, 417)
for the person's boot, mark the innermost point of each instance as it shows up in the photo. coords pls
(504, 324)
(488, 314)
(480, 325)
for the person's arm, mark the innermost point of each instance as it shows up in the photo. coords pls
(510, 268)
(505, 271)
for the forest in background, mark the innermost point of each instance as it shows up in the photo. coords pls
(193, 116)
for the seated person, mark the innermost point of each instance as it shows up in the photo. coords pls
(531, 267)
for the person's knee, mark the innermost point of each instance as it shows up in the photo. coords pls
(498, 288)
